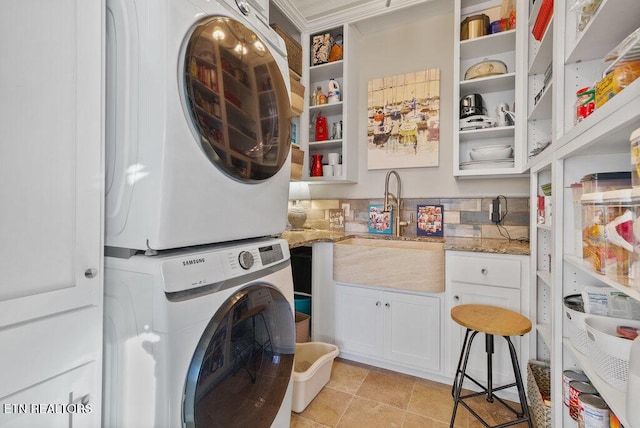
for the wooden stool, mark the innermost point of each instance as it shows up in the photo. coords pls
(490, 320)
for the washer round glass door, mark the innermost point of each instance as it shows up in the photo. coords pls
(237, 99)
(241, 368)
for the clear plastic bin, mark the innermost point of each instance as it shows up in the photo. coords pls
(634, 273)
(605, 181)
(635, 157)
(593, 222)
(618, 233)
(576, 189)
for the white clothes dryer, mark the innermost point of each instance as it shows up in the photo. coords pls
(198, 124)
(200, 338)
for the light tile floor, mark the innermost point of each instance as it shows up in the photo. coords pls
(358, 396)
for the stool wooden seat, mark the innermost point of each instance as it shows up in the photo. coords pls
(490, 320)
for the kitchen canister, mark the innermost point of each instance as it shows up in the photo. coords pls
(634, 140)
(618, 232)
(593, 222)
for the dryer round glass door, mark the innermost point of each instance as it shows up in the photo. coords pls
(237, 100)
(241, 368)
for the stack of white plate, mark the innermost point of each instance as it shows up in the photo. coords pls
(490, 156)
(492, 152)
(501, 163)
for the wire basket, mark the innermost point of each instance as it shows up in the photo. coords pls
(539, 392)
(609, 354)
(294, 50)
(576, 329)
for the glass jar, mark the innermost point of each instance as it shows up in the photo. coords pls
(593, 221)
(618, 233)
(585, 103)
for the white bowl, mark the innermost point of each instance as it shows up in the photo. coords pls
(489, 155)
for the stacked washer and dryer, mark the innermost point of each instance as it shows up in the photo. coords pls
(199, 325)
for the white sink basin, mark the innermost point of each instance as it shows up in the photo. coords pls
(406, 265)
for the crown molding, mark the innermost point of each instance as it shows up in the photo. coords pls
(320, 21)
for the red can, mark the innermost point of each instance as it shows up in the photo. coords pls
(575, 389)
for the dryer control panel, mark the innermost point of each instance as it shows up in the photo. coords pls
(188, 270)
(270, 254)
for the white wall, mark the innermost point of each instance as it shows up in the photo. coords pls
(425, 43)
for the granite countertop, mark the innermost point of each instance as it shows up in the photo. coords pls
(308, 237)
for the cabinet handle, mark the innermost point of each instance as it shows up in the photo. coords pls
(484, 271)
(378, 304)
(388, 305)
(456, 298)
(90, 273)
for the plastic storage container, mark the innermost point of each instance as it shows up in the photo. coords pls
(610, 354)
(633, 386)
(604, 181)
(634, 273)
(577, 190)
(575, 323)
(593, 222)
(312, 365)
(618, 233)
(635, 157)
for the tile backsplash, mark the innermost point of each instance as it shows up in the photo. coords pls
(463, 217)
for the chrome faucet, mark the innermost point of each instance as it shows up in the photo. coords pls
(390, 199)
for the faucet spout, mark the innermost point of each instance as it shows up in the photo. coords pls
(388, 195)
(390, 199)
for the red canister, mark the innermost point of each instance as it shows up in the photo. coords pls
(322, 132)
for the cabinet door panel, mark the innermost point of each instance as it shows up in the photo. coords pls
(68, 400)
(359, 320)
(51, 171)
(477, 367)
(412, 330)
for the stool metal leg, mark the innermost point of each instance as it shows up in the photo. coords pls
(488, 340)
(460, 373)
(488, 390)
(521, 391)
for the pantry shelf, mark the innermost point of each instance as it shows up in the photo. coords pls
(579, 263)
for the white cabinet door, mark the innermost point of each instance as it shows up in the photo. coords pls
(67, 400)
(412, 330)
(389, 326)
(359, 320)
(51, 184)
(462, 294)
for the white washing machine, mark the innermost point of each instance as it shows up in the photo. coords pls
(198, 124)
(200, 338)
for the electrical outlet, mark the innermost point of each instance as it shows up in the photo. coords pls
(347, 209)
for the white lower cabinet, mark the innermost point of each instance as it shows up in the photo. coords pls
(487, 279)
(392, 326)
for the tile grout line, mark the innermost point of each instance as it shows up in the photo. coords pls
(345, 410)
